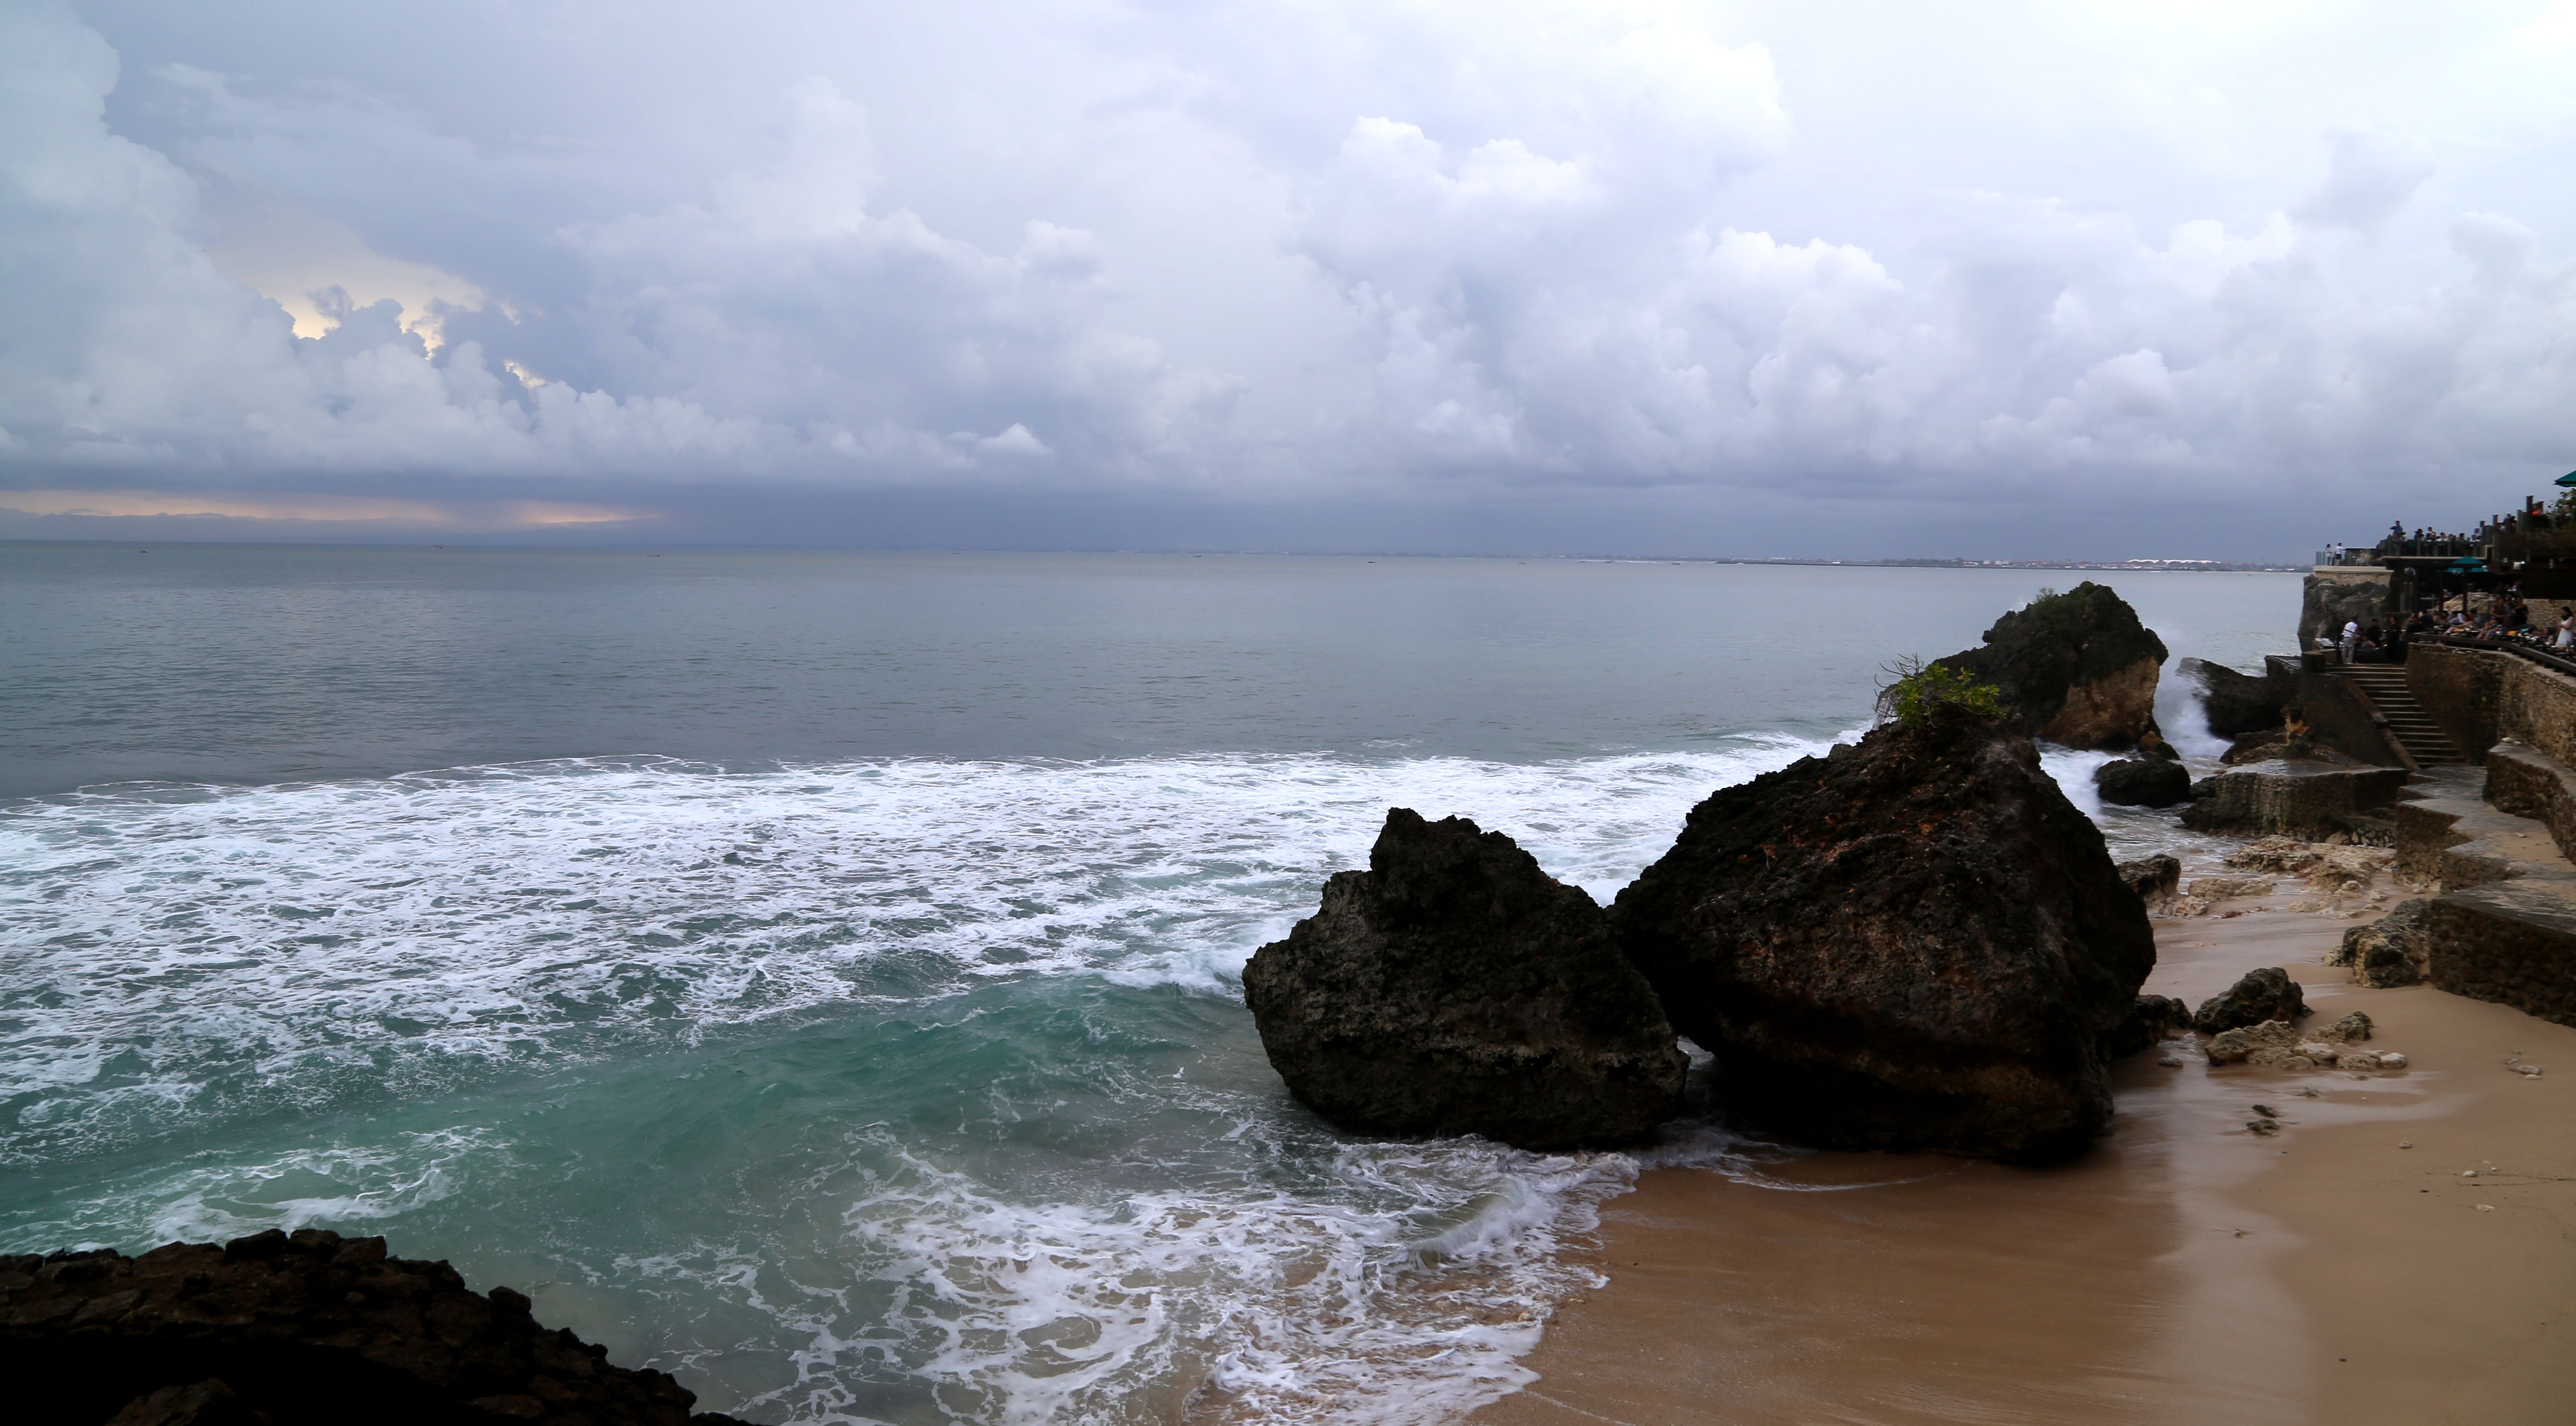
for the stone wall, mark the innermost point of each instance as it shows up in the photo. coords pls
(2529, 783)
(2478, 696)
(2458, 690)
(2339, 715)
(2431, 851)
(2295, 799)
(2507, 942)
(2537, 706)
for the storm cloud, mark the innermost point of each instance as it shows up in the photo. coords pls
(2005, 279)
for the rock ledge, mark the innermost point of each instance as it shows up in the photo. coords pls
(313, 1328)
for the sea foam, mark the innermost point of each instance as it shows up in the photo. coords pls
(198, 974)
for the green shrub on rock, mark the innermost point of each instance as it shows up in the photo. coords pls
(1914, 689)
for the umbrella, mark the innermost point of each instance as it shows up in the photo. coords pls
(2568, 479)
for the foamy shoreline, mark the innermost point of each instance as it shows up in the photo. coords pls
(2187, 1269)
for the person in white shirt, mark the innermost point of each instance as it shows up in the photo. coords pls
(2566, 627)
(2351, 636)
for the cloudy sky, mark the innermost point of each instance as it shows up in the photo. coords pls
(2222, 279)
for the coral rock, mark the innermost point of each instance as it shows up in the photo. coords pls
(2391, 951)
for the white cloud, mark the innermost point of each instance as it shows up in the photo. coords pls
(2373, 176)
(1015, 441)
(1417, 249)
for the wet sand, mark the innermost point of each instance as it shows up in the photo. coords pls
(2186, 1270)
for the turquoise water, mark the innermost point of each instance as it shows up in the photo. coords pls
(816, 975)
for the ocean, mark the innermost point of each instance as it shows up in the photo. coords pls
(816, 975)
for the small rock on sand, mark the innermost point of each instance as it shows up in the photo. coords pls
(2261, 995)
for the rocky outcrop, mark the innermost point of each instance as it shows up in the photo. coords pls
(2236, 703)
(308, 1330)
(2264, 994)
(2391, 951)
(2354, 594)
(211, 1402)
(1915, 943)
(2298, 799)
(2155, 879)
(1455, 988)
(2151, 1021)
(2138, 782)
(2078, 668)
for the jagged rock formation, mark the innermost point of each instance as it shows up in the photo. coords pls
(2236, 703)
(2262, 994)
(2327, 602)
(2138, 782)
(2078, 668)
(308, 1330)
(1915, 943)
(2153, 1019)
(2155, 879)
(1455, 988)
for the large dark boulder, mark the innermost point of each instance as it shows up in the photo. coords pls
(1916, 943)
(1455, 988)
(2263, 994)
(2138, 782)
(2235, 703)
(305, 1330)
(2078, 668)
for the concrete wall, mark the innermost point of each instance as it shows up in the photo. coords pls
(2458, 690)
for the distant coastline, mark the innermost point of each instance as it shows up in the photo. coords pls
(2142, 566)
(469, 542)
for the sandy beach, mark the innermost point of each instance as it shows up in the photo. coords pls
(2341, 1270)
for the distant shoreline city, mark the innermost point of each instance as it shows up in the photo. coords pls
(2208, 566)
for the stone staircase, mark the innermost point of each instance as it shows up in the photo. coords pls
(2384, 685)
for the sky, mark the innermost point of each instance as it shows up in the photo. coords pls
(2002, 280)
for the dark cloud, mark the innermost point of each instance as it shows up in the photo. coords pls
(1593, 277)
